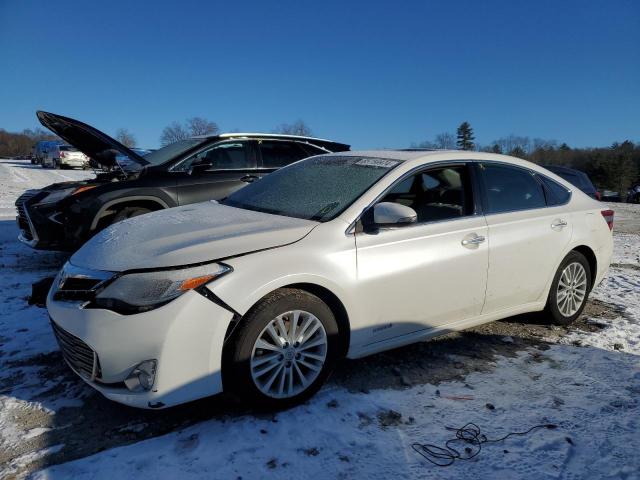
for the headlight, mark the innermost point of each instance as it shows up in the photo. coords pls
(57, 195)
(144, 291)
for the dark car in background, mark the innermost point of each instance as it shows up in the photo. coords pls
(577, 178)
(633, 194)
(64, 215)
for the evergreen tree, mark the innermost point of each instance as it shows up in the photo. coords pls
(496, 148)
(465, 137)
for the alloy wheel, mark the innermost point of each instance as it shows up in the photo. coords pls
(289, 354)
(572, 289)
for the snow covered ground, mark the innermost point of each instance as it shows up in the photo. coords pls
(587, 382)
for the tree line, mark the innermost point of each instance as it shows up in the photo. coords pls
(616, 167)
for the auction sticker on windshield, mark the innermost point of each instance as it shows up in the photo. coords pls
(376, 162)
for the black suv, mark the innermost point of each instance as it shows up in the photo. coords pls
(64, 215)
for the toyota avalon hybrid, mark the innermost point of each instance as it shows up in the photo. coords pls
(337, 255)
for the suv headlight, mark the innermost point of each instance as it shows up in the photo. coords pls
(148, 290)
(56, 196)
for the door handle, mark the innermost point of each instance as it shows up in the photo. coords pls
(477, 240)
(249, 178)
(559, 224)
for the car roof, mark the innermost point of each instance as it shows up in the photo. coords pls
(261, 135)
(561, 168)
(410, 155)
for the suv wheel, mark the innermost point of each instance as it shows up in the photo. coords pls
(129, 212)
(283, 351)
(569, 290)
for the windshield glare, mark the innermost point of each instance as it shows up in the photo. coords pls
(166, 153)
(319, 188)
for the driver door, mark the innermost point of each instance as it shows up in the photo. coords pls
(427, 274)
(217, 172)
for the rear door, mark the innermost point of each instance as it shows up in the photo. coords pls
(275, 154)
(217, 171)
(526, 237)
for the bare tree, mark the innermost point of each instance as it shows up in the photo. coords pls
(445, 141)
(201, 126)
(125, 137)
(296, 128)
(173, 133)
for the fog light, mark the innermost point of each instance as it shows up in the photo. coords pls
(142, 376)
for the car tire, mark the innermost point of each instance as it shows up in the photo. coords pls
(296, 368)
(56, 165)
(569, 290)
(129, 212)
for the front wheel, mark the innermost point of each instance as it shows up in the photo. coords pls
(570, 289)
(129, 212)
(283, 351)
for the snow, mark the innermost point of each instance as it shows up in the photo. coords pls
(588, 384)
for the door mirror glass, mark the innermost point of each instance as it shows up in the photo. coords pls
(389, 214)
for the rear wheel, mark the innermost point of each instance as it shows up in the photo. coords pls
(570, 289)
(283, 351)
(56, 164)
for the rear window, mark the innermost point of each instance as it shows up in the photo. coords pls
(510, 189)
(68, 148)
(276, 154)
(556, 194)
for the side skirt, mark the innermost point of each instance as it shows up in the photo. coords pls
(376, 347)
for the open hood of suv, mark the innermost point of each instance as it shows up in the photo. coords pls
(187, 235)
(90, 141)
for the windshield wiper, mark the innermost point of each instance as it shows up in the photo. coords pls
(320, 214)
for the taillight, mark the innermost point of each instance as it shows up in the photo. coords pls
(608, 217)
(62, 154)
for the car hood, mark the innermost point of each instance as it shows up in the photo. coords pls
(90, 141)
(186, 235)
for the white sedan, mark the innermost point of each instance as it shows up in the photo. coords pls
(337, 255)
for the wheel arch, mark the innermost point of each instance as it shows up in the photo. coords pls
(334, 303)
(590, 255)
(143, 201)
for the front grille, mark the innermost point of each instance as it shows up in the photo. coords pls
(80, 357)
(23, 219)
(23, 223)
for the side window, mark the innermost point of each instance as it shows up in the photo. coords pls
(556, 194)
(313, 150)
(276, 154)
(435, 194)
(511, 188)
(222, 156)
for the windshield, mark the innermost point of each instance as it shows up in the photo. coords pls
(164, 154)
(318, 188)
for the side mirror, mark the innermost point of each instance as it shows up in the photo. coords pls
(389, 214)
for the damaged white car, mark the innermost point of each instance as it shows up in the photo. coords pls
(337, 255)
